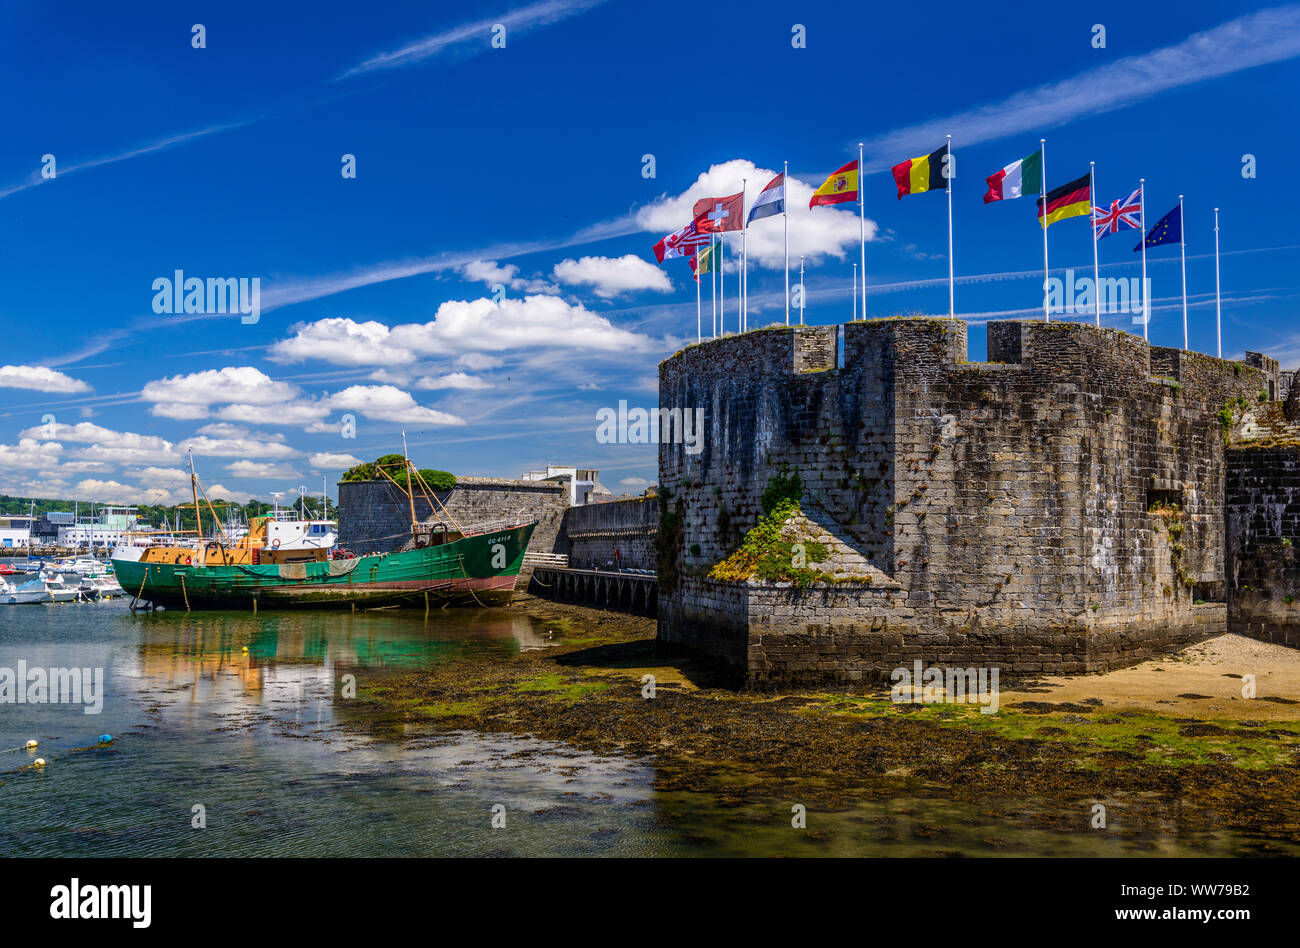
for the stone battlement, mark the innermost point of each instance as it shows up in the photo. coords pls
(1011, 501)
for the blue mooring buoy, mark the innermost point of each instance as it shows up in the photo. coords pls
(106, 738)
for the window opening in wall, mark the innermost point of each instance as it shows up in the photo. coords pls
(1210, 592)
(1164, 498)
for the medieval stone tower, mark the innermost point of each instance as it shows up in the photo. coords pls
(1058, 508)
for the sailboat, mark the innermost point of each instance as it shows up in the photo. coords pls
(442, 563)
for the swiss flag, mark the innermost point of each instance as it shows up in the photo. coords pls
(714, 215)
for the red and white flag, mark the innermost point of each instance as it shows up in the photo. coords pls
(715, 215)
(683, 243)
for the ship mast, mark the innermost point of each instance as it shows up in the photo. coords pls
(410, 489)
(194, 487)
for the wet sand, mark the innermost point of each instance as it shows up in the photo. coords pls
(1202, 680)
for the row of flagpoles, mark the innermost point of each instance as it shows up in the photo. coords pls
(701, 240)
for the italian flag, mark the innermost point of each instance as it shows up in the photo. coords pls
(1012, 180)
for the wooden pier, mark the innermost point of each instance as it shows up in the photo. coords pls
(634, 591)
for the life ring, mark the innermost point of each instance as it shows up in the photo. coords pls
(189, 560)
(275, 544)
(351, 555)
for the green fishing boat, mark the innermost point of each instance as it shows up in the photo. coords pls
(443, 564)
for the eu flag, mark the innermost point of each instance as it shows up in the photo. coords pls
(1168, 230)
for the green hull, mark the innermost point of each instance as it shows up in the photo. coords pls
(475, 570)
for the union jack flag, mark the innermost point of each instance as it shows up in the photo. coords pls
(1120, 214)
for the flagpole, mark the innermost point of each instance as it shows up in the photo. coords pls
(722, 282)
(744, 260)
(713, 274)
(1042, 167)
(801, 291)
(1092, 213)
(948, 177)
(785, 214)
(699, 313)
(862, 230)
(1182, 250)
(1146, 297)
(855, 291)
(1218, 308)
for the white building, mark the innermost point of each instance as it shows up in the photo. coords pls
(584, 484)
(104, 530)
(15, 532)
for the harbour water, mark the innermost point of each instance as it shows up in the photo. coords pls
(245, 717)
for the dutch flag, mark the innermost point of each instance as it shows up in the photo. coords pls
(770, 201)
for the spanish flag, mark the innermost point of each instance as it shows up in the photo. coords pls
(922, 174)
(839, 187)
(1069, 200)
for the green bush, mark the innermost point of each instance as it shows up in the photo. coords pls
(393, 465)
(781, 488)
(362, 472)
(437, 480)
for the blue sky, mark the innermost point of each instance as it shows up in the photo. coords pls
(523, 166)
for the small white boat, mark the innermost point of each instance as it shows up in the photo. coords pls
(81, 565)
(100, 586)
(44, 588)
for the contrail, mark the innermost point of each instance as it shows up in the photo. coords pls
(1269, 36)
(516, 21)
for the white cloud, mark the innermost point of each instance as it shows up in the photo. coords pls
(222, 492)
(453, 380)
(248, 446)
(477, 361)
(107, 445)
(126, 447)
(301, 412)
(460, 326)
(388, 403)
(115, 492)
(635, 482)
(490, 273)
(389, 377)
(244, 384)
(159, 475)
(180, 411)
(260, 469)
(324, 461)
(342, 341)
(222, 429)
(529, 323)
(814, 232)
(40, 378)
(610, 276)
(30, 454)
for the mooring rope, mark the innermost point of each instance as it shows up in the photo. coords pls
(461, 559)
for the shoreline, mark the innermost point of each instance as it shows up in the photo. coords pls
(1056, 742)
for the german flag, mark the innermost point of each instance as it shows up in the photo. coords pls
(922, 174)
(1069, 200)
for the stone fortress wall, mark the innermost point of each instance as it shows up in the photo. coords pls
(375, 516)
(1008, 504)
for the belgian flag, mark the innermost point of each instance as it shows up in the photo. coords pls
(922, 174)
(1069, 200)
